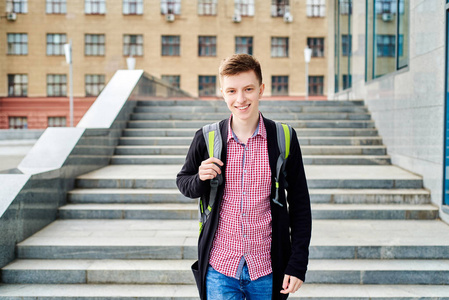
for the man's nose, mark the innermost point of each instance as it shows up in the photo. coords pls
(240, 97)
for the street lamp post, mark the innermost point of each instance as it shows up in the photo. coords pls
(307, 56)
(68, 58)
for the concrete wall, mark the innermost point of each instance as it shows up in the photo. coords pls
(407, 105)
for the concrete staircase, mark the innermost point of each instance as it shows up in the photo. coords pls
(127, 232)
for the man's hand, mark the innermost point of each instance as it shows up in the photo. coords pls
(291, 284)
(209, 168)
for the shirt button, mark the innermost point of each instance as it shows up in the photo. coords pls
(244, 214)
(244, 171)
(244, 193)
(244, 235)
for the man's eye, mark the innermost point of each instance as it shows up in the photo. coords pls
(249, 89)
(230, 91)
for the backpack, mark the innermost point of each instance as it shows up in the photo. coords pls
(214, 144)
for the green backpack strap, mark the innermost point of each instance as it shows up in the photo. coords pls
(284, 133)
(214, 144)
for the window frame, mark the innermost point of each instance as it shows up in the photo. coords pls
(99, 46)
(22, 85)
(249, 46)
(202, 4)
(172, 80)
(53, 45)
(61, 86)
(319, 85)
(55, 3)
(279, 85)
(100, 6)
(137, 44)
(166, 45)
(244, 8)
(18, 6)
(279, 46)
(17, 118)
(52, 119)
(13, 45)
(316, 47)
(132, 7)
(279, 9)
(207, 46)
(316, 8)
(171, 7)
(203, 86)
(98, 86)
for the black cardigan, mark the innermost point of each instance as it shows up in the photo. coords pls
(289, 250)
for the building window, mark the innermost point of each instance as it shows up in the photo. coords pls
(17, 85)
(133, 45)
(316, 8)
(279, 47)
(57, 122)
(132, 7)
(386, 45)
(56, 7)
(17, 43)
(95, 7)
(347, 81)
(207, 46)
(55, 43)
(389, 6)
(207, 86)
(170, 7)
(56, 85)
(173, 80)
(18, 123)
(316, 85)
(207, 7)
(170, 45)
(244, 8)
(244, 44)
(345, 7)
(279, 7)
(279, 85)
(317, 46)
(94, 44)
(94, 84)
(17, 6)
(346, 46)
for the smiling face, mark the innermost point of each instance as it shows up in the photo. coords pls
(241, 93)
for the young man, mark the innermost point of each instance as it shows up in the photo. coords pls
(250, 247)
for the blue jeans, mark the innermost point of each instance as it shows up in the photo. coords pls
(222, 287)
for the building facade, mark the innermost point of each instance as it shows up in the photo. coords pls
(180, 41)
(396, 60)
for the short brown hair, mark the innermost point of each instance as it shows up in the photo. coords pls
(239, 63)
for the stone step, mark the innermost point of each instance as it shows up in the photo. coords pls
(263, 108)
(318, 177)
(273, 116)
(178, 272)
(301, 132)
(306, 150)
(190, 292)
(329, 196)
(294, 123)
(176, 211)
(177, 239)
(315, 141)
(263, 102)
(307, 159)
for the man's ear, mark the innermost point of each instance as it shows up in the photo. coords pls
(221, 91)
(262, 89)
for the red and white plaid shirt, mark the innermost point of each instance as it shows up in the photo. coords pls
(244, 228)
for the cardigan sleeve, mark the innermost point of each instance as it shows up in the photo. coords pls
(299, 211)
(188, 180)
